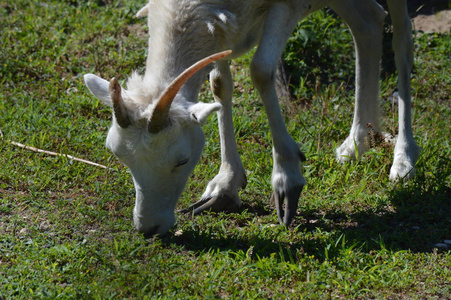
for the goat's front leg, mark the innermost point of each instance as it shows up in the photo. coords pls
(287, 180)
(406, 150)
(222, 192)
(365, 19)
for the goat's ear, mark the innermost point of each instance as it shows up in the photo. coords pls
(199, 112)
(99, 88)
(143, 12)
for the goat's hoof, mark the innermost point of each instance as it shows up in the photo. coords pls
(214, 204)
(345, 153)
(402, 170)
(286, 213)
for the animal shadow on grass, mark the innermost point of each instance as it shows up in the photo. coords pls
(417, 218)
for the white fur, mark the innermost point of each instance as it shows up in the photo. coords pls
(181, 32)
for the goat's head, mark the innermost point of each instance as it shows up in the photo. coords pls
(160, 143)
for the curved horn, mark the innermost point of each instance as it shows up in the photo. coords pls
(160, 115)
(118, 104)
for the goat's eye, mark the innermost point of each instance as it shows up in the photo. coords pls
(182, 162)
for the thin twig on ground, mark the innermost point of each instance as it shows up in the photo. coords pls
(37, 150)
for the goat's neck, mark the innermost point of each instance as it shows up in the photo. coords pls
(161, 72)
(177, 41)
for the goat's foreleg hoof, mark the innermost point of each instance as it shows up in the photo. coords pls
(287, 182)
(215, 204)
(286, 213)
(221, 193)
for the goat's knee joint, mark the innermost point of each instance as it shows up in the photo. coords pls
(262, 72)
(216, 86)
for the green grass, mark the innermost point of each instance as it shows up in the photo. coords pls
(66, 228)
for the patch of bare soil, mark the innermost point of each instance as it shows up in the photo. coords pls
(439, 22)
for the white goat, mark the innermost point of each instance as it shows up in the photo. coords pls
(156, 128)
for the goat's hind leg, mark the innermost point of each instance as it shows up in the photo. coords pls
(406, 150)
(221, 193)
(365, 19)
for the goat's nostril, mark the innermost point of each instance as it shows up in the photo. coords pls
(151, 232)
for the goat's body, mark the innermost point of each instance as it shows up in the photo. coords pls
(176, 28)
(184, 31)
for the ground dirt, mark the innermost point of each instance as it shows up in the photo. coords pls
(439, 22)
